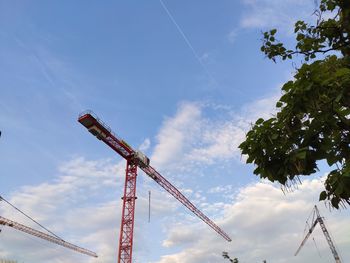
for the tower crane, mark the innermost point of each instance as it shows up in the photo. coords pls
(7, 222)
(135, 159)
(316, 218)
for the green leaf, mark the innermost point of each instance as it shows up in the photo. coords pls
(338, 98)
(300, 36)
(323, 195)
(335, 202)
(301, 155)
(250, 159)
(259, 121)
(274, 136)
(342, 72)
(332, 159)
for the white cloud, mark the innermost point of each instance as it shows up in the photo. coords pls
(81, 205)
(145, 145)
(204, 57)
(175, 134)
(263, 224)
(65, 206)
(232, 36)
(180, 235)
(77, 178)
(194, 137)
(275, 13)
(268, 14)
(220, 189)
(261, 108)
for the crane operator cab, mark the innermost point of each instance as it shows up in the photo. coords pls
(141, 158)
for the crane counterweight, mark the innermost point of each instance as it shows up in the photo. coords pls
(94, 130)
(142, 159)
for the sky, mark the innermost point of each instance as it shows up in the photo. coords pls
(180, 80)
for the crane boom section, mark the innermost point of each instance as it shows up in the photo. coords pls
(306, 237)
(329, 240)
(33, 232)
(102, 131)
(151, 172)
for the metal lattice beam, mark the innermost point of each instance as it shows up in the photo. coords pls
(39, 234)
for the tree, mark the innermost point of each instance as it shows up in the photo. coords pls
(313, 119)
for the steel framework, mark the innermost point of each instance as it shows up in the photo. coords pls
(316, 218)
(134, 159)
(127, 222)
(7, 222)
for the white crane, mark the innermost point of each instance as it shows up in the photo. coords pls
(51, 238)
(316, 218)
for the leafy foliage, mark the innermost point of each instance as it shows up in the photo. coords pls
(313, 122)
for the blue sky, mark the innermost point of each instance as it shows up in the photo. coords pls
(186, 109)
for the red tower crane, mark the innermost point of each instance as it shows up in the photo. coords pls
(135, 159)
(316, 218)
(7, 222)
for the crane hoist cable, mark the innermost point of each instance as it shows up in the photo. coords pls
(29, 217)
(33, 232)
(149, 206)
(319, 252)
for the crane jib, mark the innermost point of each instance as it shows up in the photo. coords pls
(7, 222)
(102, 132)
(150, 171)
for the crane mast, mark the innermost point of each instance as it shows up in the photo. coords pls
(7, 222)
(135, 159)
(317, 219)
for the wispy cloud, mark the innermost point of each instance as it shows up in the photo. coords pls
(195, 137)
(275, 13)
(80, 204)
(232, 36)
(268, 14)
(145, 145)
(43, 71)
(58, 74)
(176, 134)
(61, 205)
